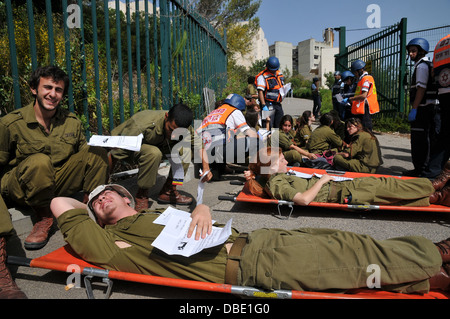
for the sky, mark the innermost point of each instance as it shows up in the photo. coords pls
(297, 20)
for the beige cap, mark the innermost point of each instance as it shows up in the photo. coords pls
(99, 189)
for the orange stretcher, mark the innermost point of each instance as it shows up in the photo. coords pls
(64, 258)
(245, 196)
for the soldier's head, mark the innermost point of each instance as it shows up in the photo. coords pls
(49, 85)
(179, 116)
(51, 72)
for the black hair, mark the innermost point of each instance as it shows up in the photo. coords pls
(285, 118)
(251, 117)
(181, 114)
(304, 119)
(50, 71)
(326, 119)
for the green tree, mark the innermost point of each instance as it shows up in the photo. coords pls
(236, 17)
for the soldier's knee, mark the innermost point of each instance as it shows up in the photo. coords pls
(150, 153)
(38, 162)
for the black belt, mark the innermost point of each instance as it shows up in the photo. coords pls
(232, 267)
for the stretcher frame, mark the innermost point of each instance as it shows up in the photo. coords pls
(245, 197)
(63, 259)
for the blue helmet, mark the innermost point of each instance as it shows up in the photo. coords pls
(421, 43)
(236, 101)
(358, 65)
(346, 74)
(273, 63)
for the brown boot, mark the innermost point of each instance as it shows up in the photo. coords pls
(436, 197)
(444, 250)
(8, 288)
(141, 199)
(40, 233)
(85, 198)
(441, 197)
(441, 280)
(170, 195)
(442, 179)
(111, 162)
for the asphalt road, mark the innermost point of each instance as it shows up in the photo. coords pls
(46, 284)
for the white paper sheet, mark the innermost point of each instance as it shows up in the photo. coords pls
(285, 90)
(131, 143)
(201, 187)
(173, 239)
(308, 176)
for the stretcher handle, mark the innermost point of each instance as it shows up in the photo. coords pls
(18, 261)
(229, 198)
(335, 172)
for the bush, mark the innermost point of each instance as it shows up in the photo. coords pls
(391, 124)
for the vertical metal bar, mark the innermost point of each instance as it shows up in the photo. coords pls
(68, 56)
(119, 61)
(83, 71)
(129, 59)
(185, 52)
(147, 57)
(343, 51)
(108, 66)
(156, 55)
(51, 38)
(96, 67)
(165, 39)
(137, 21)
(176, 39)
(32, 33)
(404, 29)
(198, 59)
(189, 56)
(169, 35)
(13, 55)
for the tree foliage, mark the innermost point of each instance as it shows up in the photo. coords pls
(236, 18)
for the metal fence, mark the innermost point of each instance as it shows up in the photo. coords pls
(385, 56)
(122, 56)
(388, 62)
(433, 35)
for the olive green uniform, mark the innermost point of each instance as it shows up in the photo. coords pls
(154, 147)
(37, 166)
(285, 142)
(97, 245)
(6, 226)
(359, 191)
(302, 136)
(324, 138)
(304, 259)
(365, 155)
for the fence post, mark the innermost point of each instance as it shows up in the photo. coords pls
(68, 56)
(402, 75)
(13, 55)
(165, 39)
(340, 63)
